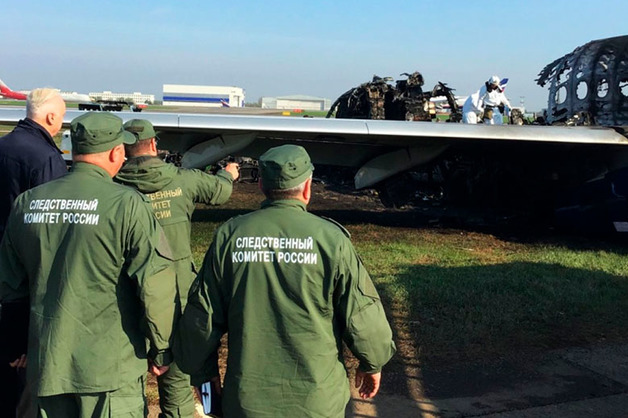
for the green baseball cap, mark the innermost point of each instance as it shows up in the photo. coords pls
(285, 167)
(95, 132)
(140, 128)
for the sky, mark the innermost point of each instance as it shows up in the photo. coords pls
(276, 48)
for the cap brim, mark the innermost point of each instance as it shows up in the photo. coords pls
(128, 138)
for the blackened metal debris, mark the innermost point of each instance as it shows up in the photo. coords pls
(589, 86)
(406, 100)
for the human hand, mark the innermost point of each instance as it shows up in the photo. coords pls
(157, 370)
(233, 169)
(19, 363)
(368, 383)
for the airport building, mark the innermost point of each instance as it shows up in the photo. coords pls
(136, 97)
(208, 96)
(296, 102)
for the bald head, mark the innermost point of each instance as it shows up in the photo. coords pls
(47, 108)
(110, 160)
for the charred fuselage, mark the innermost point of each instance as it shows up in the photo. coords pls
(589, 86)
(586, 87)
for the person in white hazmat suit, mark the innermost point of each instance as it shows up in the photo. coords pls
(485, 103)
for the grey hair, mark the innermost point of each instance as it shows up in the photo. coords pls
(281, 194)
(37, 100)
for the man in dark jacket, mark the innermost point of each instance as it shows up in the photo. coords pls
(28, 155)
(96, 267)
(173, 193)
(28, 158)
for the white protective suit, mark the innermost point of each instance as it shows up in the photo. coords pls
(475, 104)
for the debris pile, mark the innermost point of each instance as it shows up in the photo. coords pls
(406, 100)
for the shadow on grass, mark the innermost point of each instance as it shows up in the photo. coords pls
(444, 317)
(519, 233)
(384, 218)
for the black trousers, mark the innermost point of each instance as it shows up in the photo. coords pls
(11, 389)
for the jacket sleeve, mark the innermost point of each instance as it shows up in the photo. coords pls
(13, 275)
(365, 328)
(211, 189)
(148, 263)
(505, 101)
(14, 302)
(482, 93)
(204, 322)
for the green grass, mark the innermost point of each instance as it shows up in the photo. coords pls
(453, 295)
(5, 129)
(23, 103)
(475, 296)
(13, 102)
(309, 113)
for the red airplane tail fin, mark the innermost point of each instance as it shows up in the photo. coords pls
(4, 88)
(6, 92)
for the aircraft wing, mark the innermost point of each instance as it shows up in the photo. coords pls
(378, 148)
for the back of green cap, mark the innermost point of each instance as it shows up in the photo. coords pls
(141, 128)
(95, 132)
(285, 167)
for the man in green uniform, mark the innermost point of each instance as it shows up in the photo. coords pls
(289, 288)
(92, 259)
(173, 193)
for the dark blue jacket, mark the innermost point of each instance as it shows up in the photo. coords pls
(28, 158)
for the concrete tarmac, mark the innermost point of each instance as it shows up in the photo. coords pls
(574, 383)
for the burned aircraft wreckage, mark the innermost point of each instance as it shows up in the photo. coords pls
(589, 86)
(586, 87)
(405, 101)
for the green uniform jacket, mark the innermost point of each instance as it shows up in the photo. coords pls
(289, 288)
(94, 262)
(173, 193)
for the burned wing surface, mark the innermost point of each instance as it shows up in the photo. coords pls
(589, 86)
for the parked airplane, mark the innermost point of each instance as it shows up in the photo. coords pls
(70, 97)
